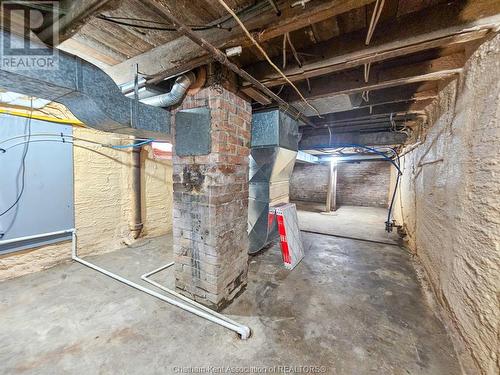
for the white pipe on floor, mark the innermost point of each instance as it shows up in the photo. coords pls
(243, 331)
(186, 299)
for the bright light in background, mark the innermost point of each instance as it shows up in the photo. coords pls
(162, 150)
(332, 159)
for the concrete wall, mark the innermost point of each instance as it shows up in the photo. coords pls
(358, 184)
(449, 205)
(102, 203)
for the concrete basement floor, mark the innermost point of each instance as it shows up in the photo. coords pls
(365, 223)
(351, 306)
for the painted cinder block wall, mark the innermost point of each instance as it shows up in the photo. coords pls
(102, 180)
(449, 206)
(358, 184)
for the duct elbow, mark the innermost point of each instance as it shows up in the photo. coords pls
(175, 96)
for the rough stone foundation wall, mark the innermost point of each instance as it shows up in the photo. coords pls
(211, 204)
(449, 205)
(358, 184)
(102, 203)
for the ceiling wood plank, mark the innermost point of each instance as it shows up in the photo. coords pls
(173, 57)
(459, 22)
(396, 95)
(385, 110)
(256, 95)
(76, 14)
(353, 81)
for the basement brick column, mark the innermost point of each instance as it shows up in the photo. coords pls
(211, 203)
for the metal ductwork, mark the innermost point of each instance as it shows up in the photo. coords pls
(175, 95)
(89, 93)
(272, 158)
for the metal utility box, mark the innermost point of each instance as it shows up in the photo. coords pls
(193, 132)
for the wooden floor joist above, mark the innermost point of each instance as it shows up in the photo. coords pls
(181, 53)
(439, 26)
(386, 110)
(358, 85)
(353, 81)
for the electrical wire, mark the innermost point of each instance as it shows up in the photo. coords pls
(266, 56)
(377, 11)
(388, 224)
(118, 21)
(23, 165)
(37, 141)
(395, 161)
(212, 25)
(62, 136)
(134, 144)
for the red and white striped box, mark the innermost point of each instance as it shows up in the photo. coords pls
(292, 249)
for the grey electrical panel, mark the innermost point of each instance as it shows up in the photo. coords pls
(46, 203)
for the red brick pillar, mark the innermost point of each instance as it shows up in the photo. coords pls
(211, 204)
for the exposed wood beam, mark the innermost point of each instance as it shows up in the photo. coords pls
(385, 127)
(312, 141)
(78, 47)
(376, 111)
(408, 93)
(434, 27)
(353, 81)
(398, 119)
(256, 95)
(75, 15)
(397, 95)
(394, 97)
(181, 54)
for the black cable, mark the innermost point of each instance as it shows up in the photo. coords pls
(263, 5)
(388, 224)
(118, 21)
(23, 166)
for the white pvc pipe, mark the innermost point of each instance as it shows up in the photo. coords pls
(186, 299)
(243, 331)
(36, 236)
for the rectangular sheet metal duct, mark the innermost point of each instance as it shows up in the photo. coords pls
(89, 93)
(272, 158)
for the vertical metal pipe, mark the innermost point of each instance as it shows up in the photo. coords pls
(136, 224)
(331, 195)
(334, 185)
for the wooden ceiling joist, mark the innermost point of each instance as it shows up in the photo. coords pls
(353, 81)
(380, 111)
(434, 27)
(397, 95)
(75, 15)
(180, 54)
